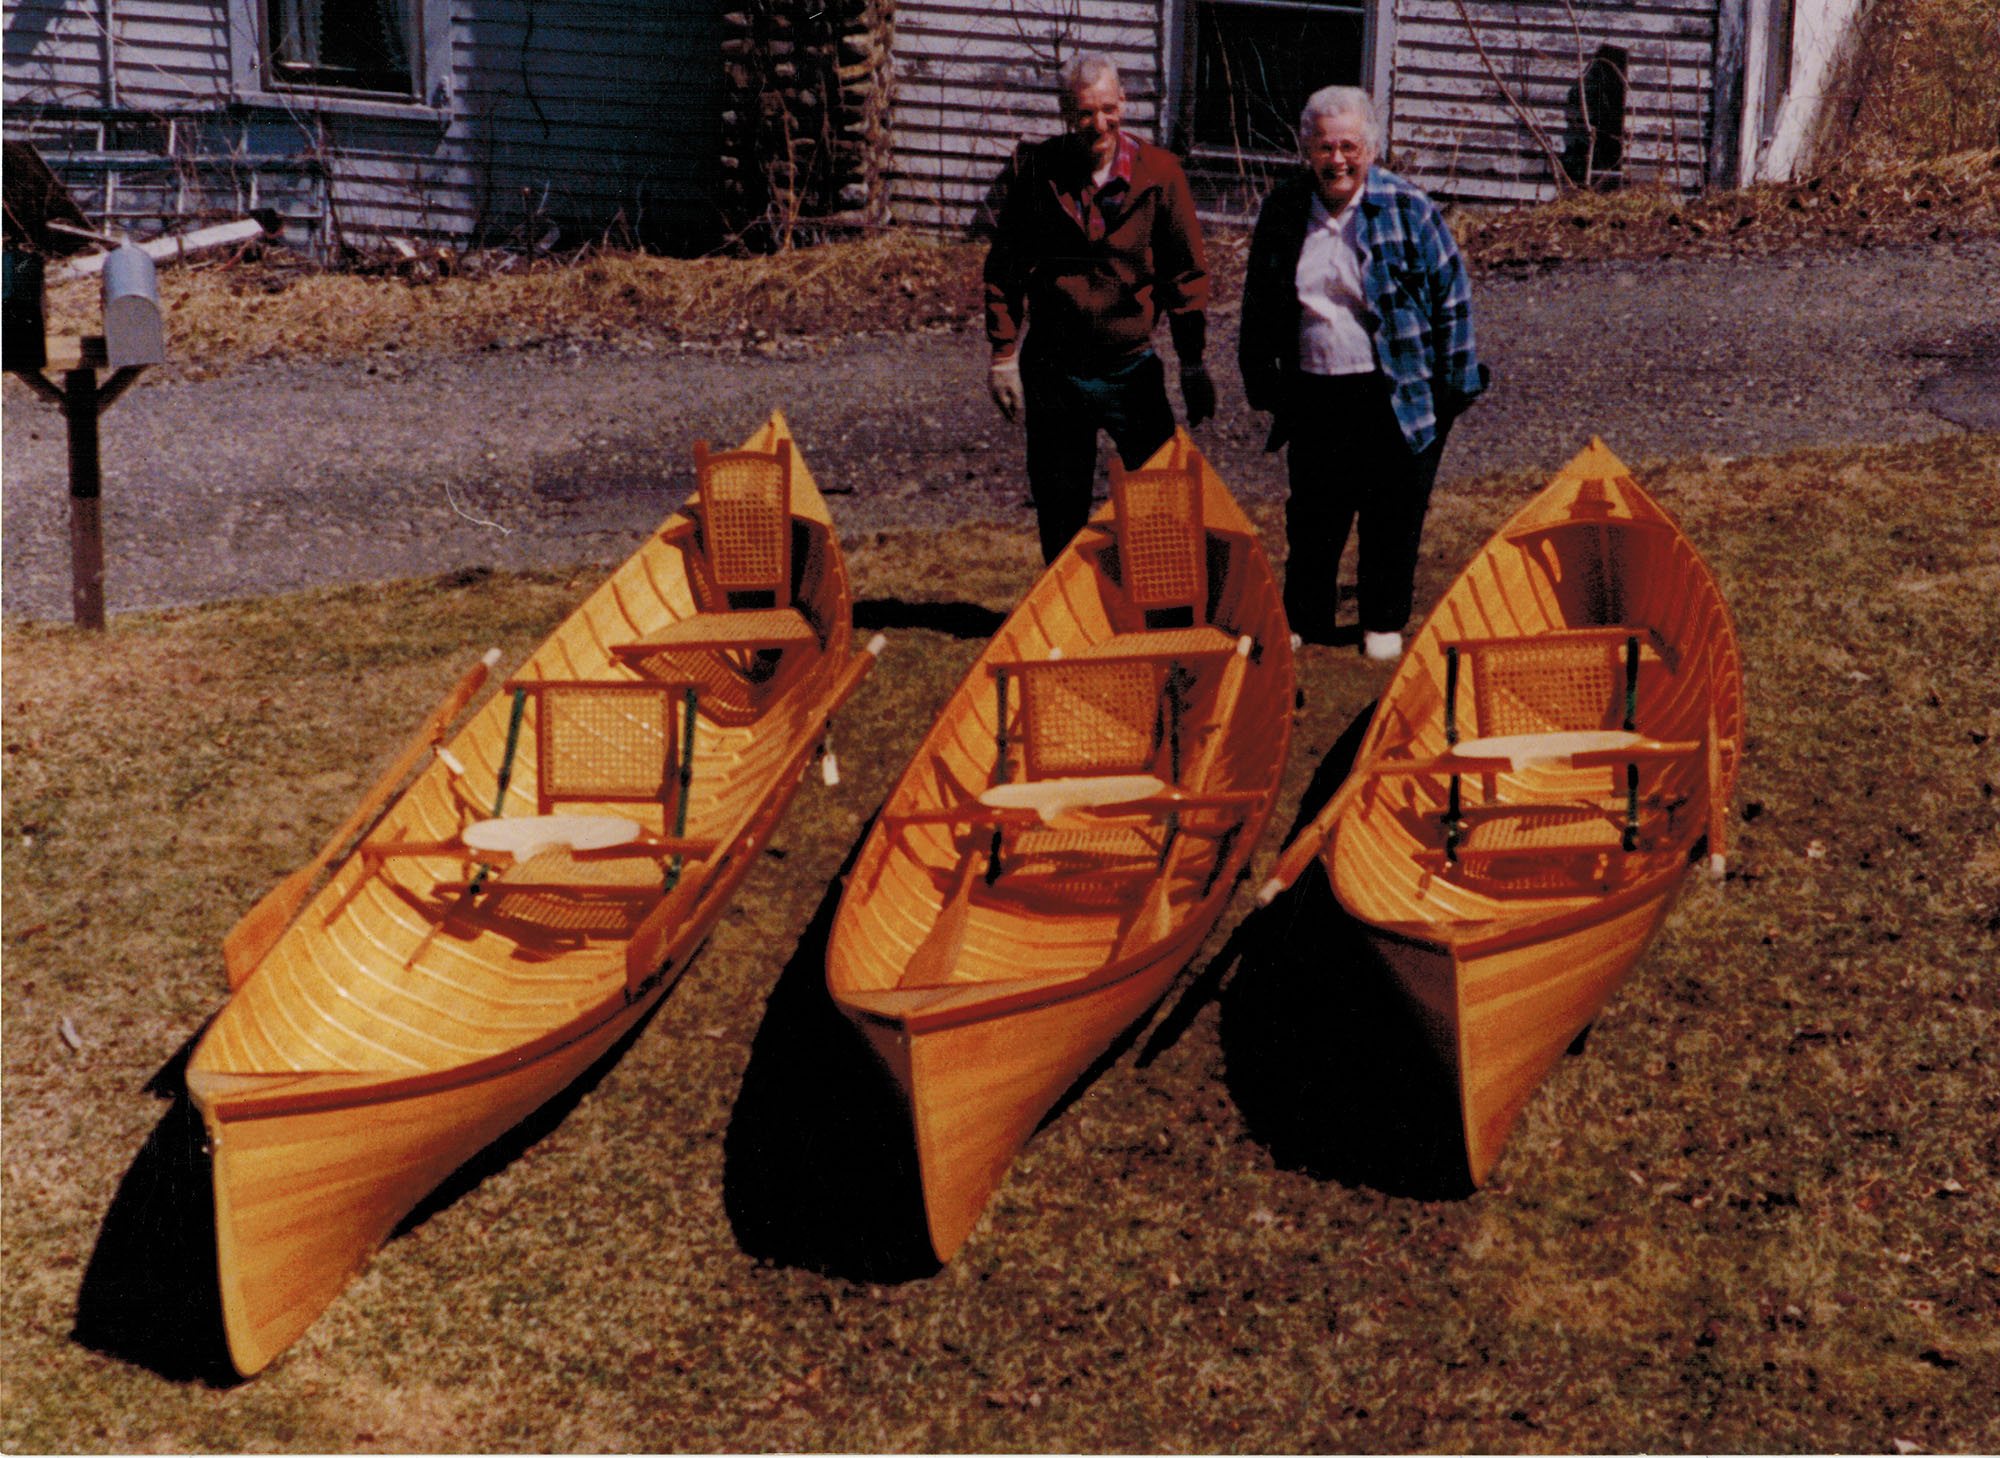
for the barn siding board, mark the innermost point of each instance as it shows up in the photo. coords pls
(1456, 131)
(1556, 52)
(972, 82)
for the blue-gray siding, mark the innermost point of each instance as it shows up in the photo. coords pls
(556, 111)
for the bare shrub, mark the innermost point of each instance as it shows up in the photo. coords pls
(1922, 83)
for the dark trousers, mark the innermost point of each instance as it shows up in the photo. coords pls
(1348, 460)
(1128, 401)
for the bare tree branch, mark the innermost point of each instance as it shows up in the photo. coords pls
(1562, 177)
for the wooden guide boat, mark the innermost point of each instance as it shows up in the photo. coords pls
(1072, 825)
(531, 895)
(1561, 739)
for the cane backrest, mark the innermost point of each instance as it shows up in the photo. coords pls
(746, 522)
(1162, 543)
(1548, 684)
(610, 742)
(1087, 716)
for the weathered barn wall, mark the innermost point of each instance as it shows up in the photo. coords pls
(672, 121)
(1486, 103)
(973, 79)
(1484, 96)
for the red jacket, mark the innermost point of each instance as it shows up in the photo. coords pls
(1094, 301)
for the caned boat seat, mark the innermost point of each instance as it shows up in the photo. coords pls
(1105, 731)
(1562, 701)
(598, 743)
(1156, 521)
(742, 513)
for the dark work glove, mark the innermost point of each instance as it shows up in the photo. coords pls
(1197, 393)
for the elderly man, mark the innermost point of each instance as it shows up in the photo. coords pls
(1096, 239)
(1357, 337)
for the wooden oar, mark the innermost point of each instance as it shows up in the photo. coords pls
(247, 942)
(1293, 861)
(934, 958)
(1155, 916)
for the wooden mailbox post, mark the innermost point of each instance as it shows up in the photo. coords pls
(133, 338)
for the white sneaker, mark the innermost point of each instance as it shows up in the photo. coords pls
(1382, 647)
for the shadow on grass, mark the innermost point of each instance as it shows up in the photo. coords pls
(149, 1293)
(963, 620)
(1327, 1063)
(1246, 937)
(819, 1166)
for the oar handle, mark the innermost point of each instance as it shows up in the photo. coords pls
(1305, 847)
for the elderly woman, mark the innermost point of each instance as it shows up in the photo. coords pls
(1357, 337)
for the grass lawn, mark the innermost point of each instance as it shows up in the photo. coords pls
(1760, 1211)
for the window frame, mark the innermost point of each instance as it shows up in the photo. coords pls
(254, 80)
(1378, 47)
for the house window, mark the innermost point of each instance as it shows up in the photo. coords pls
(353, 45)
(1256, 61)
(371, 57)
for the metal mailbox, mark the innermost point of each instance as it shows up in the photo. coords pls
(133, 331)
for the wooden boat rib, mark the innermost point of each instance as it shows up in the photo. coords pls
(433, 995)
(1579, 690)
(1002, 927)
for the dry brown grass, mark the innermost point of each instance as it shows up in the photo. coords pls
(229, 314)
(225, 315)
(1922, 83)
(1760, 1212)
(1937, 199)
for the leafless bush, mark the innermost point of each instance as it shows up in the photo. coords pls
(1922, 83)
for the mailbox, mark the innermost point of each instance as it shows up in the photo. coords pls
(133, 333)
(25, 345)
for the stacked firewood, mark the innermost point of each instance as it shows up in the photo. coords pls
(806, 110)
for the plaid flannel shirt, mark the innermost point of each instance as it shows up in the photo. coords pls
(1420, 314)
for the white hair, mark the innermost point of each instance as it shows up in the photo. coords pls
(1330, 101)
(1085, 69)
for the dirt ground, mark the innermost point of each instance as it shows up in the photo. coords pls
(279, 476)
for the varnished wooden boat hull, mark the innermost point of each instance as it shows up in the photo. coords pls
(1505, 977)
(978, 1089)
(1499, 1018)
(1044, 985)
(399, 1026)
(305, 1191)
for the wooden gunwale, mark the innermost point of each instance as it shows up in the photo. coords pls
(1483, 937)
(919, 1020)
(373, 1089)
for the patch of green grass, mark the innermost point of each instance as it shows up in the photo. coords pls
(1759, 1212)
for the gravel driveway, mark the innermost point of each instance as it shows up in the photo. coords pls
(285, 476)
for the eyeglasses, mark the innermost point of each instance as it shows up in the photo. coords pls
(1349, 150)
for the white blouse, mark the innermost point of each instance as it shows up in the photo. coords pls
(1332, 338)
